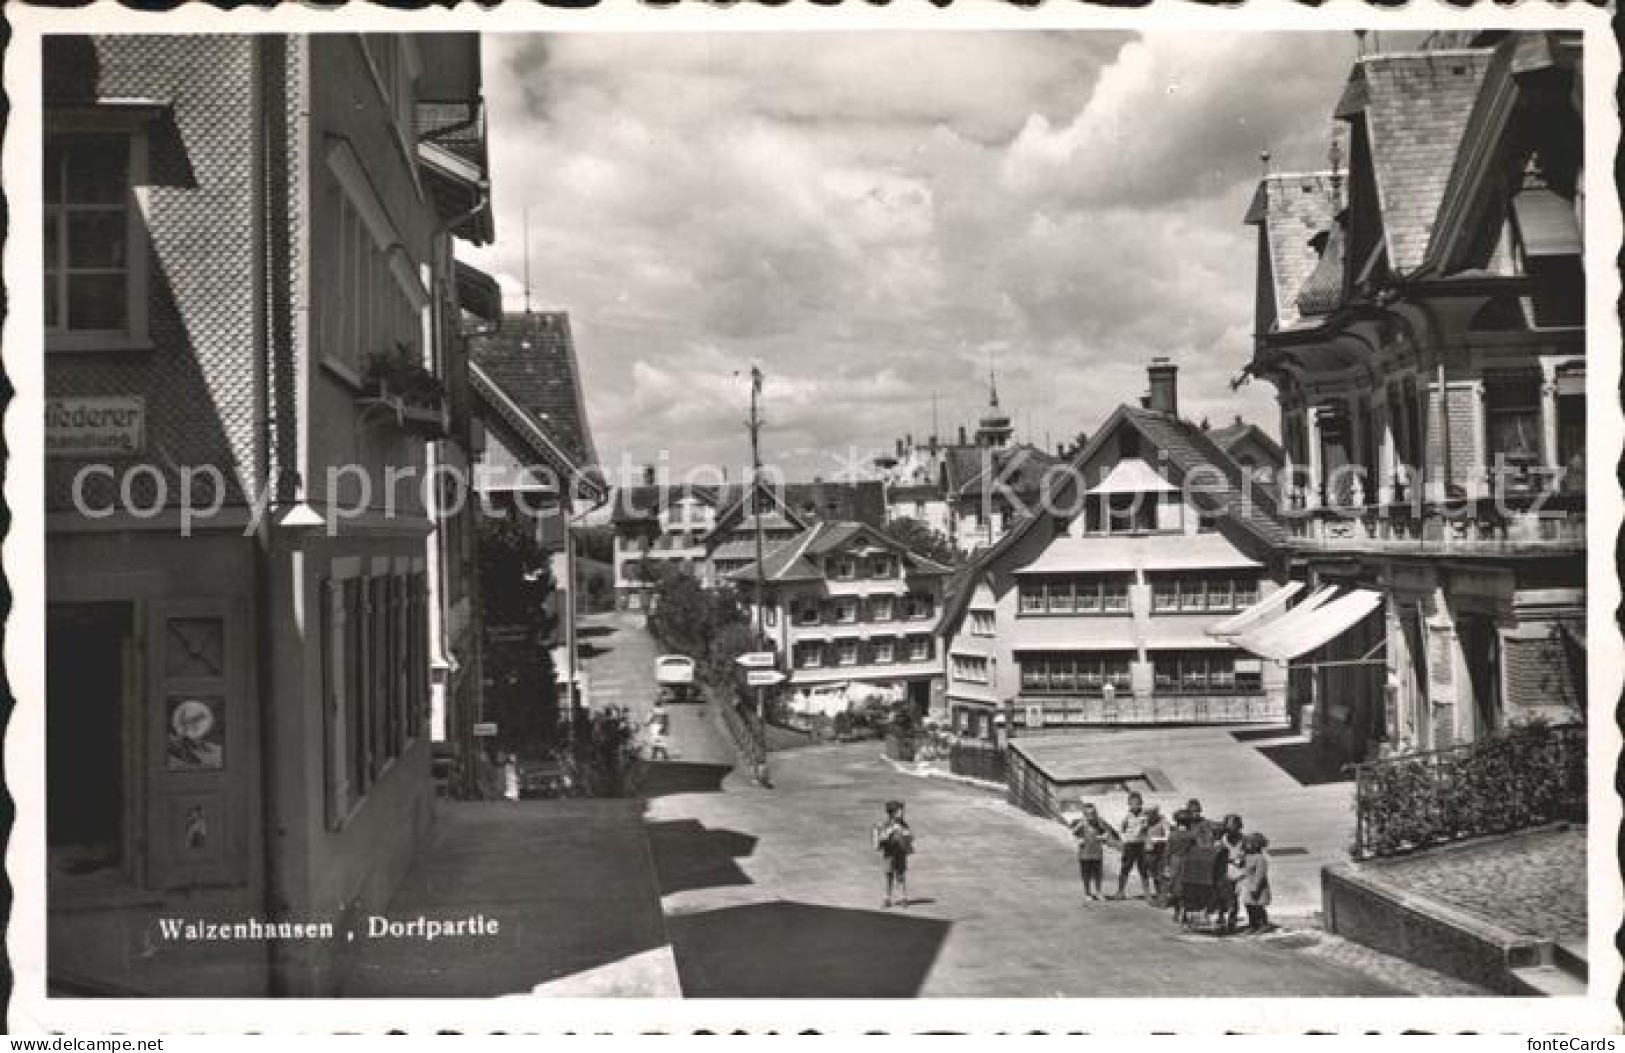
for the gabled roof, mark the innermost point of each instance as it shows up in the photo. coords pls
(1232, 435)
(1416, 107)
(1186, 449)
(860, 501)
(1290, 210)
(532, 358)
(530, 441)
(1486, 141)
(642, 503)
(796, 559)
(1020, 467)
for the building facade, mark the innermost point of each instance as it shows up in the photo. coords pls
(1425, 333)
(710, 531)
(252, 320)
(848, 607)
(1097, 610)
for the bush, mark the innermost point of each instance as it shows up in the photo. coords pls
(1520, 778)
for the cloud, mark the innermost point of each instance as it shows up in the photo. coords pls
(878, 219)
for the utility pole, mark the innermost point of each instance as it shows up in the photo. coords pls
(755, 426)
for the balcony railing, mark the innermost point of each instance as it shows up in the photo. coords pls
(1233, 708)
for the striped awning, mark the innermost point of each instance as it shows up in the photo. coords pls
(1268, 607)
(1304, 628)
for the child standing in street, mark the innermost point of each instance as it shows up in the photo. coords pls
(1135, 825)
(1156, 853)
(895, 841)
(1255, 885)
(1093, 834)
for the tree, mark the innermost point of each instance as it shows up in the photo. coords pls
(922, 540)
(516, 587)
(596, 542)
(1078, 443)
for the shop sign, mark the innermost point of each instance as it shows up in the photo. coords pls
(95, 427)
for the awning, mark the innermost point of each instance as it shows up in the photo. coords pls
(1267, 607)
(479, 293)
(1547, 223)
(1119, 644)
(1132, 476)
(1305, 628)
(1198, 552)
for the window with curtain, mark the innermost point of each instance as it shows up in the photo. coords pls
(1512, 418)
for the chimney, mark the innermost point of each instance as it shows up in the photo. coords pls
(1238, 420)
(962, 440)
(933, 445)
(1164, 387)
(648, 475)
(899, 449)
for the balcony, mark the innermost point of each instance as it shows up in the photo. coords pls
(1471, 528)
(1222, 708)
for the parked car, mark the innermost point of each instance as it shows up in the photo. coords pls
(674, 676)
(674, 670)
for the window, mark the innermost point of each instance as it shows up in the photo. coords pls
(970, 669)
(1088, 594)
(843, 568)
(847, 650)
(806, 612)
(880, 609)
(94, 262)
(376, 676)
(1195, 593)
(918, 607)
(1571, 426)
(809, 655)
(982, 623)
(883, 649)
(881, 567)
(919, 648)
(1205, 672)
(1131, 513)
(1081, 673)
(381, 313)
(846, 610)
(770, 614)
(1512, 419)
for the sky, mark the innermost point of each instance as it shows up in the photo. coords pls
(877, 220)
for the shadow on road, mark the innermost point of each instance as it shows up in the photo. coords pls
(1305, 764)
(591, 631)
(662, 777)
(591, 650)
(800, 950)
(689, 856)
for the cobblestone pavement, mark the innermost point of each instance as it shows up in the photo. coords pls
(1532, 882)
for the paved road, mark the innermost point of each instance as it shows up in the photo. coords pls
(714, 886)
(618, 655)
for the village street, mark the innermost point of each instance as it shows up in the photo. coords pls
(718, 888)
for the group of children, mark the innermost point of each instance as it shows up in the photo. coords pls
(1200, 869)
